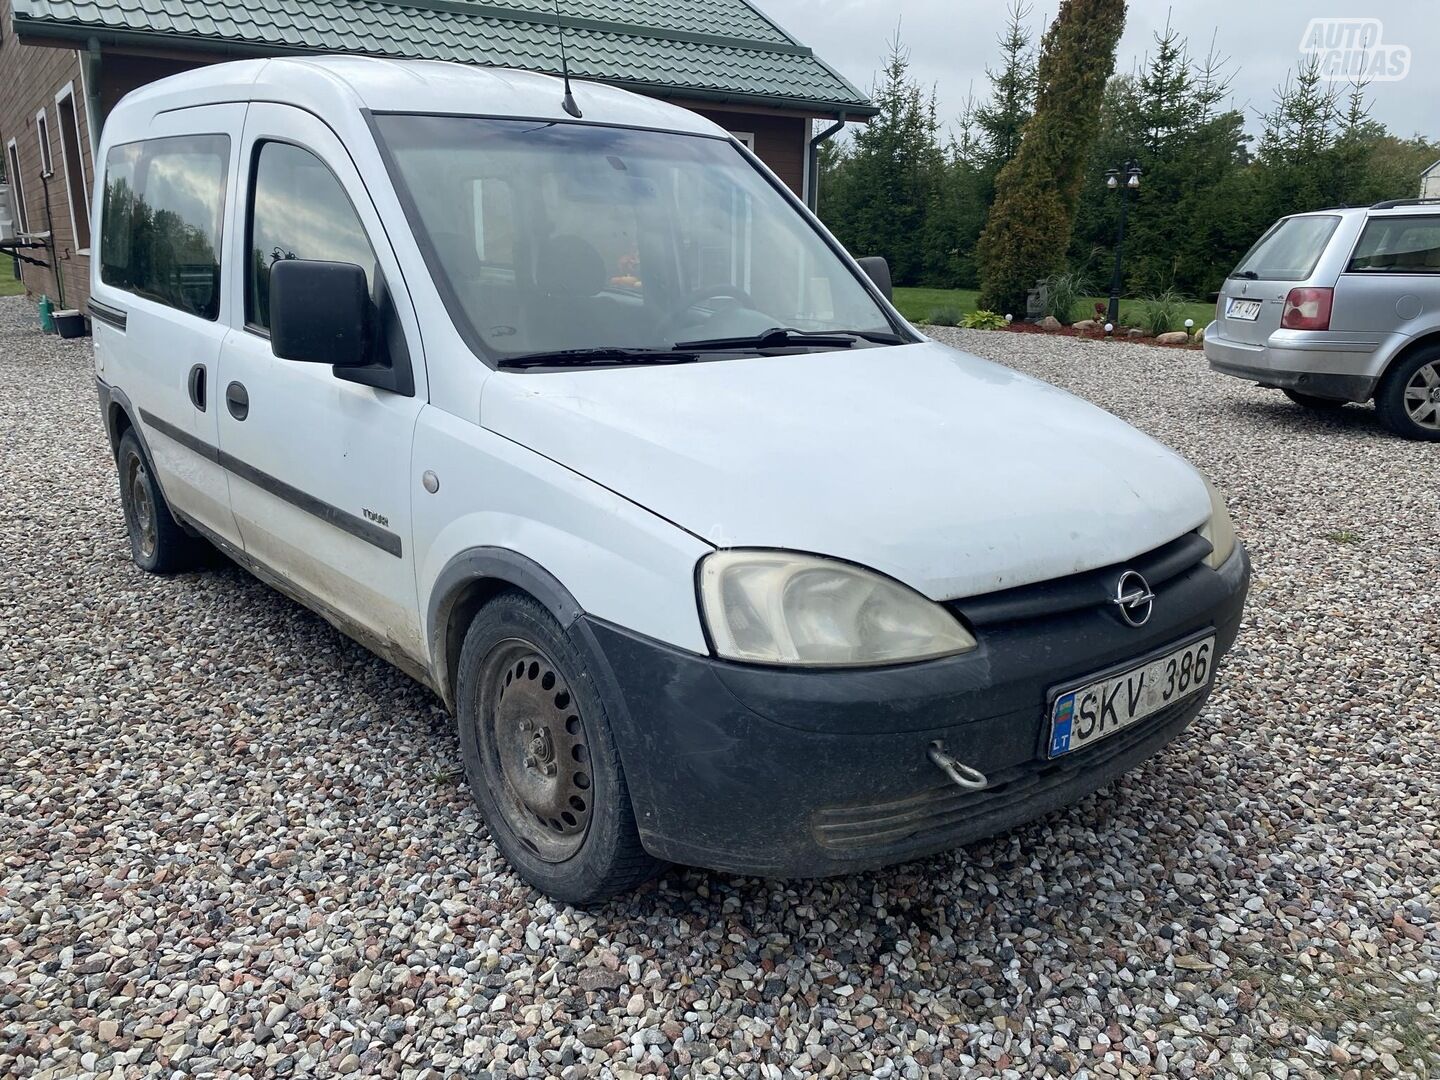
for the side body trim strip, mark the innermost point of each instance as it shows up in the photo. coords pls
(110, 316)
(356, 526)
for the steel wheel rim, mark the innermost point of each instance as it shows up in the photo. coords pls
(536, 756)
(142, 510)
(1422, 396)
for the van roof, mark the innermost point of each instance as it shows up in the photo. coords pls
(326, 85)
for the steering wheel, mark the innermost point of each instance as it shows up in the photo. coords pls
(705, 292)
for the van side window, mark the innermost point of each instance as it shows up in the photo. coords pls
(161, 218)
(1398, 245)
(298, 210)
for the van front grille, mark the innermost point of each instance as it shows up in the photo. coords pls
(1077, 592)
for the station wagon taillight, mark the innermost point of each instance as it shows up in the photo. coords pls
(1307, 309)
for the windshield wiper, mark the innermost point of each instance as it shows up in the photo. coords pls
(589, 357)
(778, 337)
(1251, 274)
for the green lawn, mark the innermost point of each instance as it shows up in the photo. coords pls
(918, 304)
(10, 285)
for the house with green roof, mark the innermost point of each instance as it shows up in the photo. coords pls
(65, 63)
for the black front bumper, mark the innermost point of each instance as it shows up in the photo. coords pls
(786, 772)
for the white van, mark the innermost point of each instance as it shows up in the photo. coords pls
(587, 424)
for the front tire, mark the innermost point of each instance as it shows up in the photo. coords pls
(1408, 400)
(540, 757)
(157, 542)
(1310, 401)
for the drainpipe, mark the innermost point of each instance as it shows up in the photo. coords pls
(812, 163)
(55, 268)
(93, 119)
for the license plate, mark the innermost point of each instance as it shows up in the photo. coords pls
(1097, 710)
(1249, 310)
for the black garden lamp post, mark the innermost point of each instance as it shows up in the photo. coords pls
(1124, 181)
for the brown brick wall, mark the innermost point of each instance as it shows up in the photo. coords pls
(30, 78)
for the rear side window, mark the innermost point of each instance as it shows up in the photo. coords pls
(161, 216)
(298, 210)
(1398, 245)
(1289, 251)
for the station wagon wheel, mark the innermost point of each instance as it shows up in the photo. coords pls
(1408, 400)
(1422, 396)
(540, 756)
(537, 758)
(157, 542)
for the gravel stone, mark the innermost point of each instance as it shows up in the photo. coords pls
(233, 843)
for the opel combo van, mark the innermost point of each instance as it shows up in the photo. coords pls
(586, 423)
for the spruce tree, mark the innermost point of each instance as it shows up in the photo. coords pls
(1012, 91)
(876, 197)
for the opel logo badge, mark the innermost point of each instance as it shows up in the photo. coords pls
(1134, 598)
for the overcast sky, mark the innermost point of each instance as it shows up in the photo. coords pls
(952, 41)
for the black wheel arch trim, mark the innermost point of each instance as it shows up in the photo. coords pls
(113, 402)
(503, 567)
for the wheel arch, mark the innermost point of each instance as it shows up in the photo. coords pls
(1428, 340)
(119, 416)
(469, 580)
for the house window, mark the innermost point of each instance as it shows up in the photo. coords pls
(17, 189)
(75, 186)
(745, 139)
(42, 134)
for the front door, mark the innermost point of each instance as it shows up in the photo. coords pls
(320, 466)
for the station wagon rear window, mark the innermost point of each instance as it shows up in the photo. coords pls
(1290, 250)
(1398, 245)
(161, 219)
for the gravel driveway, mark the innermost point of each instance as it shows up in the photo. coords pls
(234, 843)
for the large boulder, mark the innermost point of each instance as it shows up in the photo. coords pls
(1051, 323)
(1174, 337)
(1086, 324)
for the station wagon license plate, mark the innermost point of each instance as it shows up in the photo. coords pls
(1249, 310)
(1097, 710)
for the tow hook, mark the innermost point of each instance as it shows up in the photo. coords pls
(960, 774)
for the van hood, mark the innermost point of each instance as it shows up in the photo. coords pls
(951, 474)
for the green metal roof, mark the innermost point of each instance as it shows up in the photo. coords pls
(719, 50)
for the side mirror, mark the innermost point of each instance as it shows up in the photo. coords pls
(321, 313)
(878, 271)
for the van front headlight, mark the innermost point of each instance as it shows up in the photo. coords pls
(777, 607)
(1219, 530)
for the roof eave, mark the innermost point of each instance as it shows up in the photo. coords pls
(43, 32)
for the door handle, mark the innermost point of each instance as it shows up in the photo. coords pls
(196, 384)
(237, 400)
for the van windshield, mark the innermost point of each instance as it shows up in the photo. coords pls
(556, 237)
(1289, 251)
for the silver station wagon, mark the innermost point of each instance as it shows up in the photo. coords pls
(1339, 306)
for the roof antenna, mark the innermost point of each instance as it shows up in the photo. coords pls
(569, 103)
